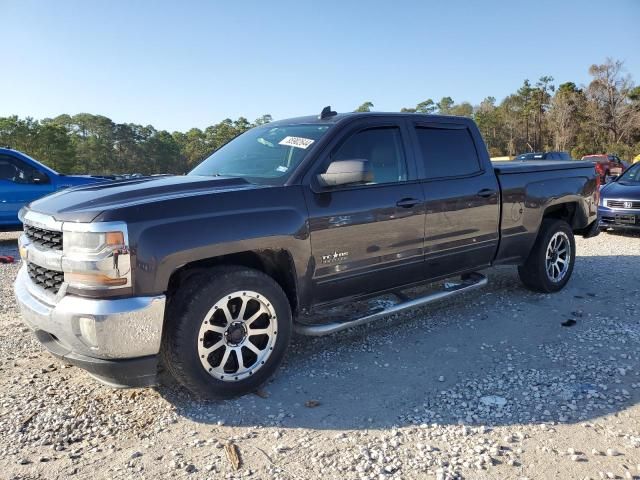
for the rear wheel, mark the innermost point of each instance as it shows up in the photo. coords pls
(551, 260)
(229, 335)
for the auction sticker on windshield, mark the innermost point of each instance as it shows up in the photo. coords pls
(298, 142)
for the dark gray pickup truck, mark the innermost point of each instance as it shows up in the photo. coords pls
(209, 274)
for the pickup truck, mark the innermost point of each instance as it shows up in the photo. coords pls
(23, 179)
(607, 165)
(527, 157)
(209, 274)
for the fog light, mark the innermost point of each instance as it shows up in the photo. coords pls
(88, 331)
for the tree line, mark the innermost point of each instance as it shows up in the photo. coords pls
(602, 117)
(86, 143)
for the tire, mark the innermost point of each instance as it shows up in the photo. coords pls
(536, 273)
(203, 324)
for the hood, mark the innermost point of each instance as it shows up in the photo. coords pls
(72, 180)
(85, 203)
(621, 190)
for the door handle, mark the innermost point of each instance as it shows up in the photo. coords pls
(407, 202)
(486, 193)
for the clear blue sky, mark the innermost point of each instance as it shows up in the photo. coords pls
(177, 65)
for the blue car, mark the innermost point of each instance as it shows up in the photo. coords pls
(23, 179)
(620, 201)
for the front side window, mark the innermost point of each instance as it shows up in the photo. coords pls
(266, 155)
(382, 148)
(447, 152)
(17, 171)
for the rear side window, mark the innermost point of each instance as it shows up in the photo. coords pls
(447, 152)
(8, 170)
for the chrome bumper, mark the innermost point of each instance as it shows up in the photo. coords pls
(100, 329)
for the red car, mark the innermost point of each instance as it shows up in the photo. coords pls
(607, 165)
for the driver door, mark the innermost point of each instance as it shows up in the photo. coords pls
(367, 238)
(20, 183)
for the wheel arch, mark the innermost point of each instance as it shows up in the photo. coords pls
(562, 211)
(276, 263)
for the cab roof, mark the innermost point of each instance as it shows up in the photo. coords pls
(340, 117)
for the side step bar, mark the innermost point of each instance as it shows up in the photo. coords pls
(469, 282)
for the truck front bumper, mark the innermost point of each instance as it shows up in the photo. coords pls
(117, 341)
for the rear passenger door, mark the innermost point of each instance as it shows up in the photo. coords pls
(462, 198)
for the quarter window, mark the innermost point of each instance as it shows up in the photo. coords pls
(447, 152)
(382, 148)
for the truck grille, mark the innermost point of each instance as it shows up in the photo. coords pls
(627, 204)
(45, 238)
(47, 279)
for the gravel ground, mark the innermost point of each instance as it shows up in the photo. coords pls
(488, 385)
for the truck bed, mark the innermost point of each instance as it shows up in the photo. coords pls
(505, 168)
(533, 190)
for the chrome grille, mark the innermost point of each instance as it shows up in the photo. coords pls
(626, 204)
(45, 278)
(44, 238)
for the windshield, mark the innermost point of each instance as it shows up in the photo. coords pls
(632, 175)
(529, 156)
(266, 154)
(595, 158)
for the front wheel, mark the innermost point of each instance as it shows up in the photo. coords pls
(551, 260)
(227, 335)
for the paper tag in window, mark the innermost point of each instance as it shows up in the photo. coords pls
(282, 168)
(298, 142)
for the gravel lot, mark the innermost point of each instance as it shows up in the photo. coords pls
(489, 385)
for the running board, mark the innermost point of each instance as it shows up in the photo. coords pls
(469, 282)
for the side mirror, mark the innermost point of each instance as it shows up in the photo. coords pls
(39, 178)
(346, 172)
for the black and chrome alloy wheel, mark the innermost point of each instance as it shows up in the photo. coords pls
(227, 331)
(237, 335)
(558, 256)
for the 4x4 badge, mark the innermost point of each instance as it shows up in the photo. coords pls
(334, 257)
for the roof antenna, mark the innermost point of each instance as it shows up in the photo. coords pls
(326, 113)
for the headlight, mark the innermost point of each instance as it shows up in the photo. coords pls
(92, 243)
(96, 256)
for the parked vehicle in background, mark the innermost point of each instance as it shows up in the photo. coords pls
(606, 165)
(214, 270)
(23, 180)
(620, 201)
(525, 157)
